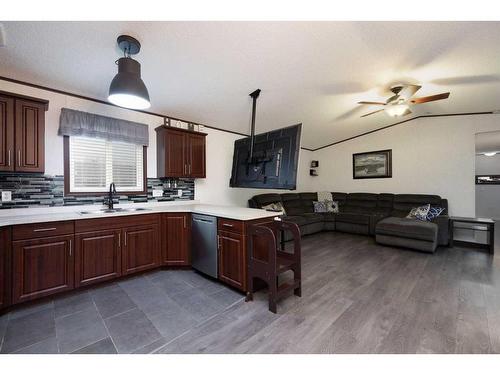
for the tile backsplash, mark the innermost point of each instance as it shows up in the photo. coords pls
(36, 189)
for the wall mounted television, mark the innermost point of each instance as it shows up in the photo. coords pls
(274, 162)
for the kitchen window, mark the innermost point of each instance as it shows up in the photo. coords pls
(91, 164)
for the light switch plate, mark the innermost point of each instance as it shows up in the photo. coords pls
(6, 196)
(157, 193)
(179, 192)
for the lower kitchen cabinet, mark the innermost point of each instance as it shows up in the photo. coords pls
(97, 257)
(5, 252)
(232, 259)
(140, 249)
(41, 267)
(176, 239)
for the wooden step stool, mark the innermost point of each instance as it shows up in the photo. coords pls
(266, 260)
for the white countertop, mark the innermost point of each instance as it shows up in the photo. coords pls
(46, 214)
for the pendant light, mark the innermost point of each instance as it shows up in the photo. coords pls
(127, 88)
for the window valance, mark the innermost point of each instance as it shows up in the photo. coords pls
(78, 123)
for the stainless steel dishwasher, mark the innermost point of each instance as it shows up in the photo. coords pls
(204, 244)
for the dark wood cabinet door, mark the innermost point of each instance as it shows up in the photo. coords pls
(232, 259)
(41, 267)
(176, 235)
(140, 248)
(97, 257)
(6, 133)
(175, 154)
(5, 253)
(30, 136)
(196, 155)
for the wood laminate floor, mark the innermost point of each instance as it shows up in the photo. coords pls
(360, 297)
(357, 297)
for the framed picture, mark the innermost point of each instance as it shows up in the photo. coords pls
(373, 164)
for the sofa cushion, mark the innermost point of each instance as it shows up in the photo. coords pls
(313, 217)
(329, 217)
(265, 199)
(307, 200)
(299, 220)
(403, 203)
(407, 228)
(293, 204)
(354, 218)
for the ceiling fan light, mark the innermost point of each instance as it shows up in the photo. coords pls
(127, 88)
(490, 153)
(396, 110)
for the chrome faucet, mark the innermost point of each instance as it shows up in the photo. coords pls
(112, 191)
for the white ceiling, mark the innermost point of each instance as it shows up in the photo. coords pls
(309, 72)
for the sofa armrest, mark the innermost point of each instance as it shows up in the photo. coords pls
(443, 223)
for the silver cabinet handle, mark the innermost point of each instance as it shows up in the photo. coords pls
(125, 237)
(19, 157)
(228, 225)
(44, 229)
(218, 242)
(119, 240)
(8, 157)
(70, 249)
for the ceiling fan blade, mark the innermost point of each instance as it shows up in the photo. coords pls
(372, 103)
(372, 113)
(430, 98)
(408, 91)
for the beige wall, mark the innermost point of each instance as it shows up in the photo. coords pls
(429, 156)
(214, 189)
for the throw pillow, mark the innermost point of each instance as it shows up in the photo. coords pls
(434, 212)
(320, 206)
(419, 213)
(275, 207)
(332, 206)
(324, 196)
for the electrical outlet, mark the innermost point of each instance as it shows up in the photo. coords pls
(157, 193)
(6, 196)
(179, 192)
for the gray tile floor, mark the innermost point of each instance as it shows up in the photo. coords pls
(134, 315)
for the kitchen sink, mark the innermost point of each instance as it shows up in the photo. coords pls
(114, 210)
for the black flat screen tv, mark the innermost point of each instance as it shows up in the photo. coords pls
(274, 162)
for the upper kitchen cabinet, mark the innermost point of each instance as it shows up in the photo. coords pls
(180, 153)
(22, 133)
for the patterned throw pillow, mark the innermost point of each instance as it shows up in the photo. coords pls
(320, 206)
(332, 206)
(434, 212)
(275, 207)
(419, 213)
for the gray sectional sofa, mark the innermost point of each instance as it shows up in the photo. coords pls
(379, 215)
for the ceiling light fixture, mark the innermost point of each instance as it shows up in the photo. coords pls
(395, 110)
(127, 88)
(490, 153)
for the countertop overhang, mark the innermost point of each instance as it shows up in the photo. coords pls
(18, 216)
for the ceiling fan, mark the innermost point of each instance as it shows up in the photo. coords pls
(399, 104)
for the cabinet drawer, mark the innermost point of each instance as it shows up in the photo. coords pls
(229, 225)
(27, 231)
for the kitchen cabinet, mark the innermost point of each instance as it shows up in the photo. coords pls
(97, 256)
(140, 249)
(176, 239)
(22, 133)
(5, 252)
(180, 153)
(6, 133)
(41, 267)
(231, 253)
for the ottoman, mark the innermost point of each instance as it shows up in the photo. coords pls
(410, 233)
